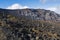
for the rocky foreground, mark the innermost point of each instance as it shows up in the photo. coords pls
(12, 28)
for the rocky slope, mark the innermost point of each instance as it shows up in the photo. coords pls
(29, 24)
(34, 14)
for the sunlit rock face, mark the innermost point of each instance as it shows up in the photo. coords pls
(34, 14)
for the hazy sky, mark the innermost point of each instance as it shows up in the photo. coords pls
(53, 5)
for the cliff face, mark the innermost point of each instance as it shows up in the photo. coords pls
(29, 24)
(34, 14)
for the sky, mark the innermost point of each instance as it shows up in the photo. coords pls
(53, 5)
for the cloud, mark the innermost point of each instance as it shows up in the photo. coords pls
(17, 6)
(56, 9)
(51, 8)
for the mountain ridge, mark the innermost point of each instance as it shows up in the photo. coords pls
(34, 14)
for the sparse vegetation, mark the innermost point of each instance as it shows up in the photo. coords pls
(13, 28)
